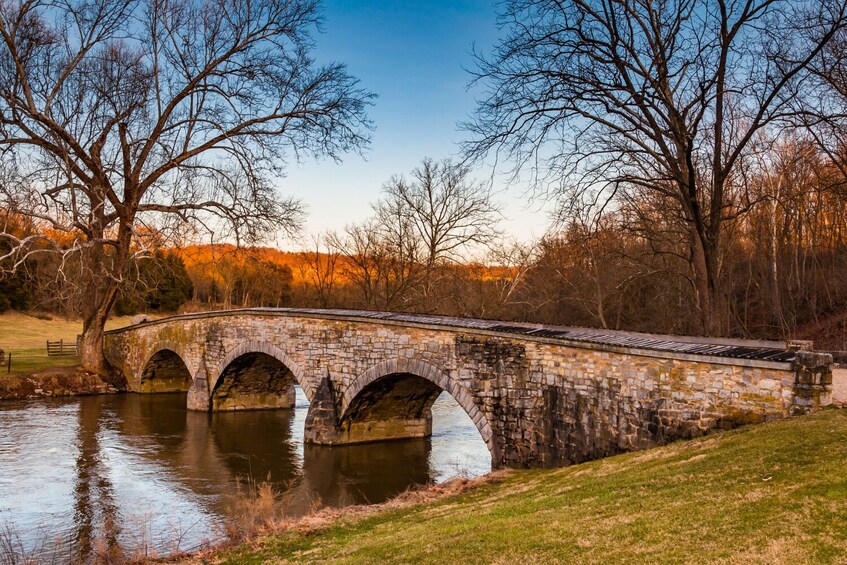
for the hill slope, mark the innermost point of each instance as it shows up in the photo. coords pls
(774, 493)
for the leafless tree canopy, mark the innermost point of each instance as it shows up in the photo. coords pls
(447, 210)
(621, 99)
(118, 115)
(421, 226)
(826, 119)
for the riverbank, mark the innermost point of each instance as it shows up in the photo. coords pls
(772, 493)
(53, 383)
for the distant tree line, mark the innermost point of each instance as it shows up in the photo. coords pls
(783, 272)
(232, 277)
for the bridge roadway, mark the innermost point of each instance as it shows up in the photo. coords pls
(539, 395)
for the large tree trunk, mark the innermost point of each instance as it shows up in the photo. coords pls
(92, 355)
(99, 296)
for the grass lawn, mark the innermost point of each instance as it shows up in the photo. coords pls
(26, 337)
(773, 493)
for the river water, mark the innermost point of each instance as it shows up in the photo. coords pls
(142, 472)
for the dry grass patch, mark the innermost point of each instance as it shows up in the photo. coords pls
(258, 509)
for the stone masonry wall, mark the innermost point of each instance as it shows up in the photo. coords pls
(535, 402)
(552, 405)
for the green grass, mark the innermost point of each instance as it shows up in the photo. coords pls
(774, 493)
(26, 361)
(26, 337)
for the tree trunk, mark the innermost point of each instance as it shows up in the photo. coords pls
(92, 355)
(704, 267)
(776, 297)
(99, 296)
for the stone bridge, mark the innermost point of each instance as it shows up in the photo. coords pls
(539, 395)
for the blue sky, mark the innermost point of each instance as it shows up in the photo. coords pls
(413, 55)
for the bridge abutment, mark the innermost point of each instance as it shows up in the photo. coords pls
(812, 381)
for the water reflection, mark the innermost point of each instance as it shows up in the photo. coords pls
(94, 501)
(139, 471)
(363, 474)
(256, 445)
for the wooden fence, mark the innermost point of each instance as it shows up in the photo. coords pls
(60, 348)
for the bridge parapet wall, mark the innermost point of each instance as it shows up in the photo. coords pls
(535, 401)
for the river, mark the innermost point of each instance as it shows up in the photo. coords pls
(142, 473)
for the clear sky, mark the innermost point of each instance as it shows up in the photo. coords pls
(413, 55)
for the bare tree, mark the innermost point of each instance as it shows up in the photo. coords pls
(510, 262)
(496, 288)
(382, 259)
(826, 119)
(319, 269)
(785, 165)
(124, 116)
(616, 98)
(447, 211)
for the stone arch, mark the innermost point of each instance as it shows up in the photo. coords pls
(429, 373)
(259, 348)
(165, 370)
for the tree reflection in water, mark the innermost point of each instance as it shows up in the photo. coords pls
(95, 512)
